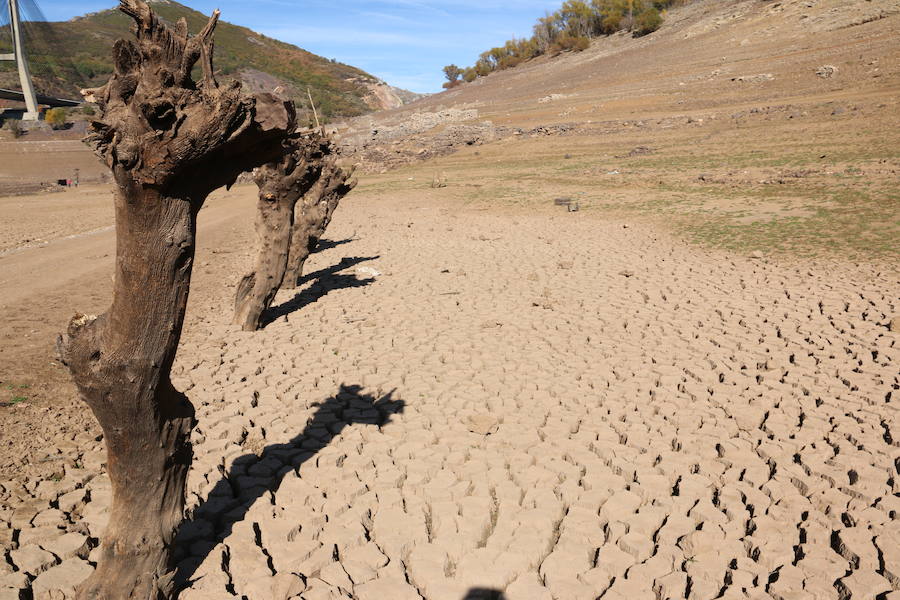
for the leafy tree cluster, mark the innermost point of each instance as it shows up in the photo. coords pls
(570, 28)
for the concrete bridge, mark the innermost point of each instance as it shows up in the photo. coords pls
(27, 95)
(40, 98)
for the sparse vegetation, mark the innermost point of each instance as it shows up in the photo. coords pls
(648, 21)
(570, 29)
(56, 118)
(14, 127)
(15, 395)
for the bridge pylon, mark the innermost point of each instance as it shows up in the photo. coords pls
(18, 55)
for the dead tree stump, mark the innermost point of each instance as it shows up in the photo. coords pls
(317, 209)
(281, 185)
(169, 142)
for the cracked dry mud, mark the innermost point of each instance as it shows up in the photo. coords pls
(503, 410)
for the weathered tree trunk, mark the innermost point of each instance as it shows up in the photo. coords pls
(281, 185)
(169, 143)
(121, 363)
(317, 209)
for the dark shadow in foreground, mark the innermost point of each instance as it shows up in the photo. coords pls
(325, 281)
(484, 594)
(227, 505)
(325, 244)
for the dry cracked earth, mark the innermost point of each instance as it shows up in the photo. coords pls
(465, 403)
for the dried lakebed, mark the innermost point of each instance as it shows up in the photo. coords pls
(547, 405)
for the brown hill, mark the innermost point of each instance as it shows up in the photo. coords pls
(743, 122)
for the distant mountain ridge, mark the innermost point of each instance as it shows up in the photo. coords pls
(67, 56)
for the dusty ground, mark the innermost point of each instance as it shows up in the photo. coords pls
(685, 389)
(543, 403)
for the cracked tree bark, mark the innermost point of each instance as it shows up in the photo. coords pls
(169, 142)
(281, 185)
(318, 208)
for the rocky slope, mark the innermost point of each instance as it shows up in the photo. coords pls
(711, 59)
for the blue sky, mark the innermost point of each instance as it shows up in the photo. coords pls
(404, 42)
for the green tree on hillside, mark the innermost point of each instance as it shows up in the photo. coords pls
(647, 21)
(613, 15)
(570, 29)
(546, 31)
(452, 73)
(577, 18)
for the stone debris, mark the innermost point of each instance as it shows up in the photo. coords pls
(759, 78)
(368, 272)
(551, 98)
(483, 424)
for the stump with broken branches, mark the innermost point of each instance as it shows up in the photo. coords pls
(169, 141)
(281, 185)
(317, 210)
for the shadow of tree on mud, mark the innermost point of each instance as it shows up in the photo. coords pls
(325, 281)
(325, 244)
(227, 504)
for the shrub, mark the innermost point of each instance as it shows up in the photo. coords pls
(509, 62)
(483, 67)
(575, 43)
(647, 22)
(449, 85)
(56, 118)
(612, 23)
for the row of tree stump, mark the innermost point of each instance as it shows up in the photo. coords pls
(310, 177)
(170, 141)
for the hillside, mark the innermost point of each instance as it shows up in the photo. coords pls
(740, 123)
(67, 56)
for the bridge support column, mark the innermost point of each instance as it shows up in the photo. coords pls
(31, 107)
